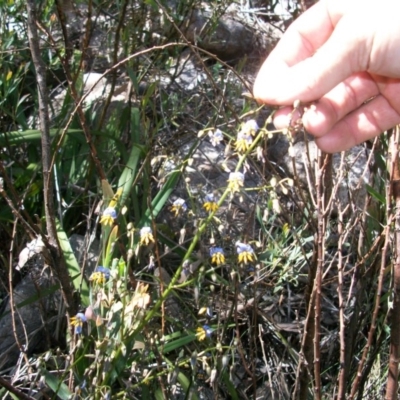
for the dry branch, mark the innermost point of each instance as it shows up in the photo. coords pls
(55, 257)
(393, 376)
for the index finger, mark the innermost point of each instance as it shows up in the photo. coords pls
(281, 79)
(304, 36)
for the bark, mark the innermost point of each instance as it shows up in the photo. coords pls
(394, 354)
(55, 259)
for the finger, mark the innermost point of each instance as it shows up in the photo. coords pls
(284, 116)
(299, 42)
(304, 36)
(312, 78)
(363, 124)
(321, 60)
(340, 101)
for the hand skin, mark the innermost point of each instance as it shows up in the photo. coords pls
(338, 54)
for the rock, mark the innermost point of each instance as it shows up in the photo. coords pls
(86, 252)
(36, 321)
(209, 168)
(351, 173)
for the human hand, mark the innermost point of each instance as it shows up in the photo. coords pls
(344, 55)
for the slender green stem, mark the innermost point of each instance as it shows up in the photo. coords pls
(194, 242)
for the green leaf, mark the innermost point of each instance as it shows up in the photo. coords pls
(146, 392)
(159, 201)
(164, 194)
(11, 138)
(21, 137)
(185, 383)
(133, 78)
(129, 174)
(110, 245)
(158, 394)
(56, 385)
(148, 94)
(230, 386)
(176, 344)
(73, 267)
(377, 196)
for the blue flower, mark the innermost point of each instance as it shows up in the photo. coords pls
(100, 275)
(217, 255)
(216, 137)
(109, 216)
(250, 127)
(146, 236)
(245, 252)
(178, 205)
(210, 204)
(235, 181)
(104, 271)
(77, 322)
(203, 332)
(243, 142)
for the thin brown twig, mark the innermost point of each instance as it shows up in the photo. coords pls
(63, 24)
(16, 204)
(11, 388)
(14, 311)
(324, 161)
(118, 29)
(342, 342)
(239, 342)
(393, 374)
(65, 62)
(43, 99)
(306, 353)
(30, 227)
(79, 102)
(194, 49)
(54, 252)
(342, 356)
(371, 333)
(310, 347)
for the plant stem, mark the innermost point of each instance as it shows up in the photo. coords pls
(56, 260)
(194, 242)
(393, 374)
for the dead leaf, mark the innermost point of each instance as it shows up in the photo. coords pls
(34, 247)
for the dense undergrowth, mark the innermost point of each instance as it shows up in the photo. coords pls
(221, 272)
